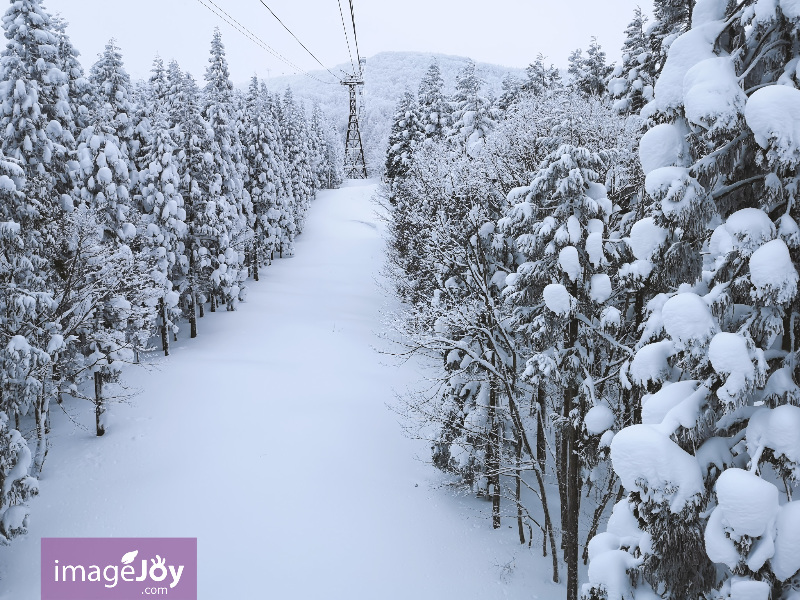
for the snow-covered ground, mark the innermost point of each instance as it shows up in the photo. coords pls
(269, 439)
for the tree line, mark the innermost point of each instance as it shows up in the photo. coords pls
(126, 210)
(602, 269)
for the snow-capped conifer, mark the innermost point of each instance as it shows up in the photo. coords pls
(225, 220)
(471, 116)
(405, 135)
(631, 82)
(434, 110)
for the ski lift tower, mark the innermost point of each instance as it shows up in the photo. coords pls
(355, 167)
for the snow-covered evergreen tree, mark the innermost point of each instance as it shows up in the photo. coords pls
(540, 79)
(589, 73)
(717, 354)
(162, 225)
(631, 82)
(434, 110)
(294, 132)
(471, 116)
(225, 219)
(406, 133)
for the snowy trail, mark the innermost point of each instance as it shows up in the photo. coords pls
(268, 438)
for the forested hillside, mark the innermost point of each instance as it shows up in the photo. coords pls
(604, 268)
(127, 210)
(386, 76)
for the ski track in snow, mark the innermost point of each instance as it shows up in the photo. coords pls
(269, 439)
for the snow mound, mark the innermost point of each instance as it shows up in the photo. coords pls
(790, 9)
(772, 272)
(747, 502)
(659, 181)
(750, 228)
(777, 429)
(687, 319)
(707, 11)
(785, 561)
(569, 261)
(720, 242)
(728, 354)
(600, 288)
(599, 419)
(594, 248)
(650, 362)
(648, 461)
(609, 570)
(747, 589)
(686, 51)
(656, 406)
(773, 114)
(624, 524)
(558, 299)
(719, 547)
(712, 96)
(661, 146)
(646, 237)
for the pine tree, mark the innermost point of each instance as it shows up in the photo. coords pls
(36, 119)
(298, 168)
(631, 82)
(107, 149)
(405, 134)
(540, 79)
(471, 117)
(589, 74)
(719, 240)
(434, 110)
(225, 220)
(512, 87)
(162, 221)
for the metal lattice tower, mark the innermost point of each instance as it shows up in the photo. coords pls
(355, 167)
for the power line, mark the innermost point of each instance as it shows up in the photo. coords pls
(255, 39)
(346, 37)
(355, 35)
(298, 40)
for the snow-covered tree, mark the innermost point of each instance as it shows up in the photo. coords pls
(162, 225)
(708, 466)
(631, 82)
(589, 73)
(225, 219)
(294, 130)
(434, 110)
(540, 79)
(406, 133)
(16, 485)
(471, 118)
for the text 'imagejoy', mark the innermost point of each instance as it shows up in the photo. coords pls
(119, 568)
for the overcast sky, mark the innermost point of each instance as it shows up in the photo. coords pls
(505, 32)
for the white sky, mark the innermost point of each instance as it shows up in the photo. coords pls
(505, 32)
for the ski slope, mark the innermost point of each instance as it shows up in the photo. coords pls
(269, 439)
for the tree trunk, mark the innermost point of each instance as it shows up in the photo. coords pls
(541, 442)
(99, 403)
(164, 327)
(518, 494)
(42, 411)
(255, 260)
(213, 302)
(572, 400)
(494, 454)
(192, 314)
